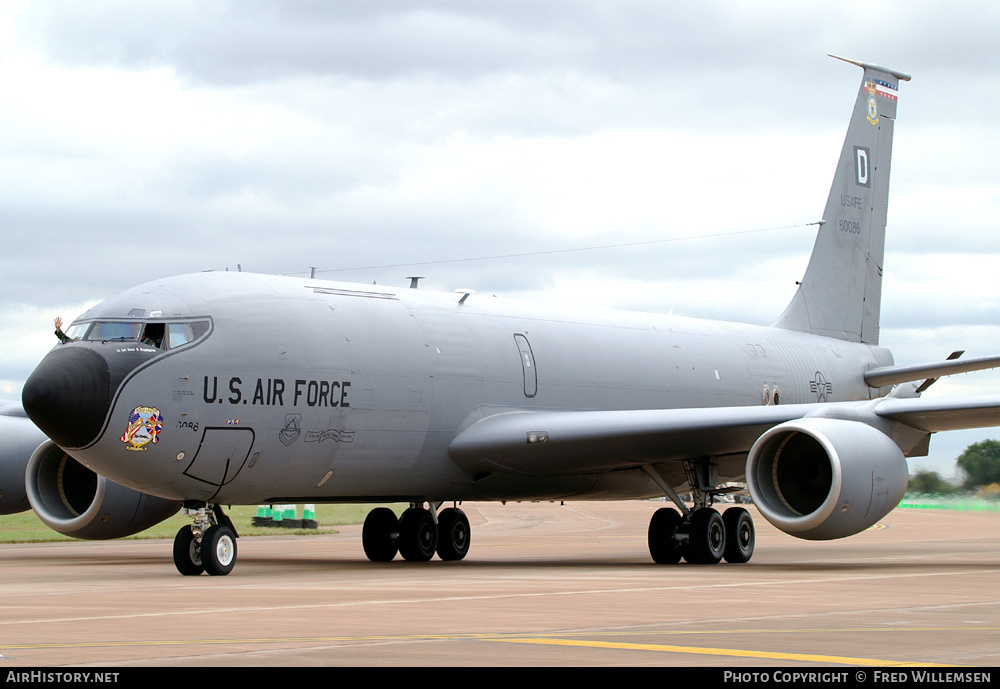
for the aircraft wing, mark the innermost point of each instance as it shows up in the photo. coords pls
(8, 408)
(557, 442)
(543, 443)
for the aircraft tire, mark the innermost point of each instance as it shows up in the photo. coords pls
(418, 535)
(187, 553)
(378, 535)
(218, 550)
(706, 537)
(662, 536)
(453, 534)
(740, 536)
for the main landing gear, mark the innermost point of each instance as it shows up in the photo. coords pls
(417, 534)
(208, 545)
(700, 535)
(705, 537)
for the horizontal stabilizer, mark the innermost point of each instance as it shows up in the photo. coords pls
(893, 375)
(902, 76)
(942, 414)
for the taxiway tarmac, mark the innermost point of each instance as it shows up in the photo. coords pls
(543, 584)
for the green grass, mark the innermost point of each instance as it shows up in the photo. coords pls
(960, 503)
(28, 528)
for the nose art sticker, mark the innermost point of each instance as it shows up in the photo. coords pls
(144, 426)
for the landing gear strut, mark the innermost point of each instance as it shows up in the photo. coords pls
(208, 545)
(417, 534)
(700, 535)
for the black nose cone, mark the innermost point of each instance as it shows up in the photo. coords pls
(68, 395)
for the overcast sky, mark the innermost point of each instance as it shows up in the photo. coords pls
(141, 140)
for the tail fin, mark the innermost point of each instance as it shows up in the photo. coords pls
(841, 293)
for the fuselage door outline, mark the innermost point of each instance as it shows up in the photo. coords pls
(527, 365)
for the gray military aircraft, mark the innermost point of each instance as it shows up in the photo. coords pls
(18, 439)
(226, 388)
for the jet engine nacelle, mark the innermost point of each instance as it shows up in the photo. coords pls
(73, 500)
(823, 478)
(18, 439)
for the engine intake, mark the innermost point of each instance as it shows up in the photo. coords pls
(824, 478)
(73, 500)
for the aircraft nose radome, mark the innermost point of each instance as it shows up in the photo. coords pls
(68, 395)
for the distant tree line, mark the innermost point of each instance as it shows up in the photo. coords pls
(979, 463)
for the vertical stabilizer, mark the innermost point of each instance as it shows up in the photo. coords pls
(841, 292)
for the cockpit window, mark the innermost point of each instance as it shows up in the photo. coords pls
(181, 333)
(113, 330)
(77, 330)
(154, 334)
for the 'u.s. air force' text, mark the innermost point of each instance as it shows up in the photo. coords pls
(274, 392)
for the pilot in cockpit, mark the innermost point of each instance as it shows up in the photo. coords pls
(63, 337)
(152, 335)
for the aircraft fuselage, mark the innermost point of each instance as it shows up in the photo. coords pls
(295, 390)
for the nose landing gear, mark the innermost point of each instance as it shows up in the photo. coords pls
(208, 545)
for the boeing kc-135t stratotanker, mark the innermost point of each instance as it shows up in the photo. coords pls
(227, 388)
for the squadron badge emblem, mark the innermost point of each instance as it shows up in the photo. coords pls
(290, 431)
(144, 426)
(872, 106)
